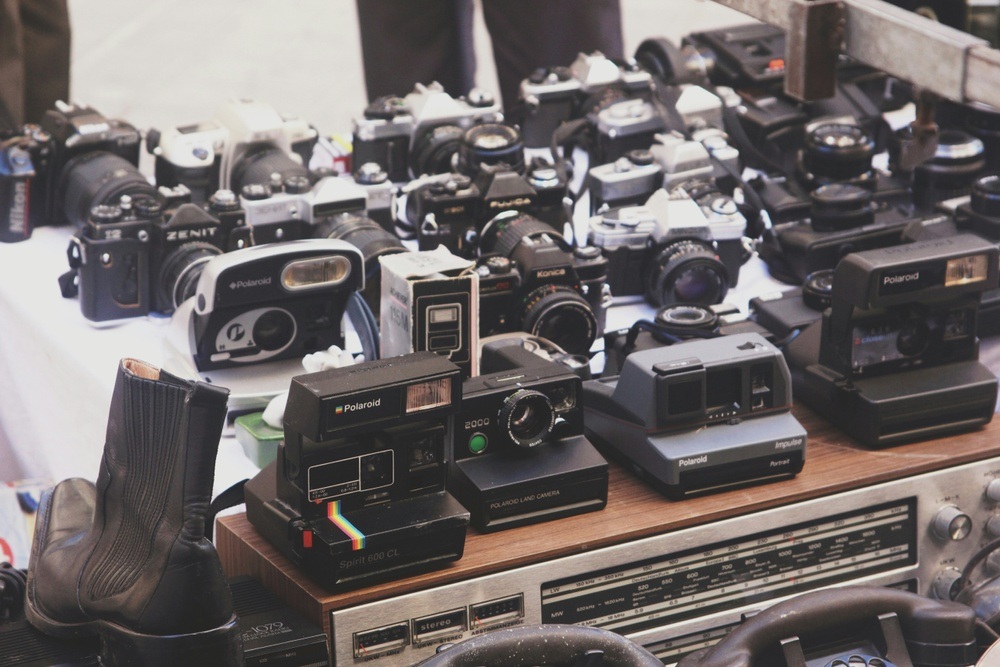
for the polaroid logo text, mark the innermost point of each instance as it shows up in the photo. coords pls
(693, 461)
(904, 278)
(355, 407)
(257, 282)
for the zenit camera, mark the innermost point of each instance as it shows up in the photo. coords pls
(520, 454)
(895, 357)
(357, 493)
(699, 416)
(682, 246)
(245, 142)
(24, 160)
(270, 302)
(145, 255)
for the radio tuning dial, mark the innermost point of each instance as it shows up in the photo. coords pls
(993, 490)
(944, 582)
(951, 523)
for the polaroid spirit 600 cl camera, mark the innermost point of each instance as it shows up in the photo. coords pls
(699, 416)
(895, 357)
(357, 491)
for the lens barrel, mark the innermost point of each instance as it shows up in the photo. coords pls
(259, 163)
(97, 178)
(687, 271)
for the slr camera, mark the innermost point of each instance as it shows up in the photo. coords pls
(895, 357)
(270, 302)
(357, 493)
(682, 246)
(245, 142)
(420, 133)
(520, 455)
(699, 416)
(24, 159)
(531, 280)
(141, 255)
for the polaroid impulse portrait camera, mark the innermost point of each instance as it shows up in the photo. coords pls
(357, 493)
(520, 455)
(699, 416)
(895, 357)
(270, 302)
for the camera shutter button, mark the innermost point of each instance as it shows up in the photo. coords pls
(498, 264)
(256, 191)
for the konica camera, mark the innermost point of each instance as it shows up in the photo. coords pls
(270, 302)
(520, 454)
(699, 416)
(420, 133)
(685, 245)
(245, 142)
(357, 493)
(531, 280)
(144, 255)
(895, 357)
(24, 159)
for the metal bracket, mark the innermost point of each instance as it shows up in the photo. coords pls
(815, 38)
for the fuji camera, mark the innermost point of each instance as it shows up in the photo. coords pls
(141, 256)
(895, 357)
(520, 455)
(245, 142)
(699, 416)
(271, 302)
(531, 280)
(420, 133)
(24, 159)
(357, 493)
(682, 246)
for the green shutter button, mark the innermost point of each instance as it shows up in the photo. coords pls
(477, 443)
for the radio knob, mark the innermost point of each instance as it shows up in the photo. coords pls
(993, 491)
(952, 523)
(944, 582)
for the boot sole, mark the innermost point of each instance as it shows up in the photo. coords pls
(219, 647)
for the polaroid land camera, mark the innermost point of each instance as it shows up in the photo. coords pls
(357, 491)
(895, 357)
(699, 416)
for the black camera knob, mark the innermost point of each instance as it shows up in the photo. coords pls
(841, 206)
(256, 191)
(146, 206)
(371, 173)
(480, 98)
(497, 265)
(296, 185)
(538, 76)
(104, 214)
(588, 252)
(640, 157)
(985, 198)
(224, 201)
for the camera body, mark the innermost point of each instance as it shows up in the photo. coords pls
(271, 302)
(138, 257)
(24, 163)
(520, 455)
(357, 493)
(685, 245)
(245, 142)
(621, 126)
(699, 416)
(531, 280)
(895, 357)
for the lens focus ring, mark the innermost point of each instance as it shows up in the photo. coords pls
(527, 417)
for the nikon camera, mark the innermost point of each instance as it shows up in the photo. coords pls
(24, 158)
(357, 493)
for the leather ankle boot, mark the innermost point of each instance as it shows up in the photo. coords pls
(128, 558)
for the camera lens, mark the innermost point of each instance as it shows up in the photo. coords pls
(838, 152)
(528, 417)
(179, 273)
(817, 290)
(99, 178)
(985, 198)
(434, 150)
(273, 330)
(983, 121)
(840, 206)
(687, 272)
(913, 337)
(491, 146)
(259, 163)
(371, 239)
(687, 316)
(959, 158)
(506, 231)
(562, 316)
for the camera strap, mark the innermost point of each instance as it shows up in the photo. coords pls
(69, 285)
(365, 324)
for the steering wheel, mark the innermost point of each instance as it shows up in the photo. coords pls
(529, 645)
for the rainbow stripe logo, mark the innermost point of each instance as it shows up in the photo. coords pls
(340, 521)
(339, 410)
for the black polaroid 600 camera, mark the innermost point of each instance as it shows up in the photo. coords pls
(520, 454)
(895, 357)
(357, 493)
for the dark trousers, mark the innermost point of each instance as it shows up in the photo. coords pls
(34, 59)
(404, 42)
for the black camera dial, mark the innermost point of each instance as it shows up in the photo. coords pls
(839, 206)
(838, 152)
(528, 417)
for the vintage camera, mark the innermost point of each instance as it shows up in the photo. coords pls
(531, 280)
(520, 455)
(270, 302)
(628, 181)
(958, 161)
(895, 357)
(357, 493)
(843, 219)
(137, 257)
(685, 245)
(24, 163)
(699, 416)
(621, 126)
(245, 142)
(787, 313)
(552, 95)
(506, 351)
(420, 133)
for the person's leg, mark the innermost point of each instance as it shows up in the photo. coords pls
(11, 66)
(46, 57)
(528, 34)
(404, 42)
